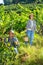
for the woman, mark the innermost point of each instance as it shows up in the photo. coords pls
(31, 27)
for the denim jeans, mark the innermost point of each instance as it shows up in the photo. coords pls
(15, 49)
(30, 35)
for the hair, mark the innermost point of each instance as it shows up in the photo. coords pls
(30, 15)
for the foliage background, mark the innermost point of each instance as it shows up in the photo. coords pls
(15, 17)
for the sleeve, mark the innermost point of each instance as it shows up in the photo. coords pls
(15, 39)
(28, 25)
(35, 26)
(5, 40)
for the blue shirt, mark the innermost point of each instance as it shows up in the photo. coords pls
(11, 41)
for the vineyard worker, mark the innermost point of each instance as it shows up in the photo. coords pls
(30, 28)
(13, 40)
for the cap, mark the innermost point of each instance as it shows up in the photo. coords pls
(12, 31)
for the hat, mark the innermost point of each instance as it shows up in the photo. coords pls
(12, 31)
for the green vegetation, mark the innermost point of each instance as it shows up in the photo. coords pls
(22, 1)
(19, 14)
(27, 55)
(15, 17)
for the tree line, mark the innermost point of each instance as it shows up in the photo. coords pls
(22, 1)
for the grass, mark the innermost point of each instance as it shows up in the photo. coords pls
(28, 55)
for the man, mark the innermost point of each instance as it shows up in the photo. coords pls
(30, 28)
(12, 40)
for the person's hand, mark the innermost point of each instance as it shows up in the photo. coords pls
(16, 42)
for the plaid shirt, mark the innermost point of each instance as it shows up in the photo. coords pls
(29, 25)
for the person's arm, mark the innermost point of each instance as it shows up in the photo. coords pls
(16, 41)
(35, 25)
(28, 25)
(6, 41)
